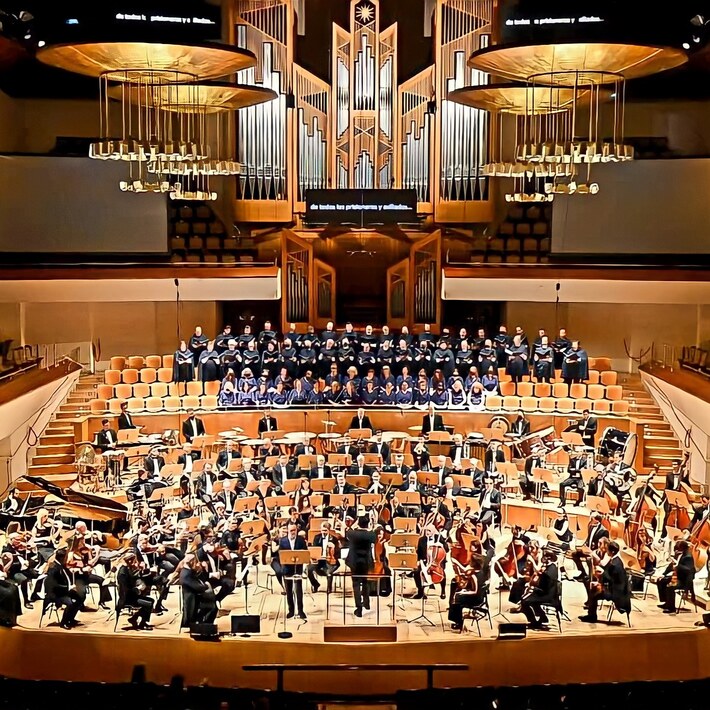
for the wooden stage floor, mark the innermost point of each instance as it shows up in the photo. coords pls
(657, 646)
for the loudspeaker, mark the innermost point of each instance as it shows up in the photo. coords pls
(204, 632)
(705, 621)
(246, 624)
(512, 631)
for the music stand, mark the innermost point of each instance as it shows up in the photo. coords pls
(428, 478)
(322, 485)
(245, 505)
(400, 540)
(406, 525)
(359, 434)
(370, 499)
(291, 485)
(541, 476)
(493, 434)
(462, 481)
(295, 558)
(358, 481)
(342, 500)
(391, 479)
(404, 563)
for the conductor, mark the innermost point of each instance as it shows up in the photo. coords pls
(360, 562)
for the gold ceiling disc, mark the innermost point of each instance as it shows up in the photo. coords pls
(208, 98)
(521, 99)
(595, 60)
(135, 61)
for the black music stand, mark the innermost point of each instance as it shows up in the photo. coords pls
(292, 557)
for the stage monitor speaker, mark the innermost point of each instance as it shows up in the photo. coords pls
(705, 621)
(246, 624)
(204, 632)
(512, 631)
(385, 633)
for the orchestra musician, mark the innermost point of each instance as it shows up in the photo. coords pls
(106, 438)
(292, 574)
(204, 485)
(490, 501)
(321, 469)
(468, 590)
(595, 532)
(543, 593)
(199, 601)
(494, 455)
(678, 576)
(432, 547)
(187, 458)
(398, 466)
(432, 421)
(329, 561)
(361, 420)
(360, 468)
(226, 456)
(192, 426)
(215, 560)
(521, 425)
(613, 585)
(267, 423)
(574, 478)
(125, 419)
(586, 427)
(60, 591)
(360, 561)
(82, 559)
(132, 591)
(21, 568)
(154, 462)
(380, 447)
(676, 479)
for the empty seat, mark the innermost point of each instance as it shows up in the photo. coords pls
(540, 229)
(560, 389)
(114, 406)
(546, 404)
(506, 228)
(194, 389)
(136, 404)
(565, 404)
(577, 390)
(154, 404)
(493, 402)
(98, 406)
(190, 402)
(208, 401)
(171, 404)
(528, 404)
(159, 389)
(608, 377)
(175, 389)
(112, 377)
(525, 389)
(543, 389)
(135, 362)
(620, 406)
(123, 391)
(614, 392)
(165, 374)
(129, 376)
(511, 402)
(593, 378)
(601, 406)
(141, 389)
(530, 245)
(212, 388)
(582, 404)
(118, 363)
(602, 363)
(507, 389)
(148, 375)
(154, 361)
(105, 392)
(595, 392)
(168, 361)
(533, 213)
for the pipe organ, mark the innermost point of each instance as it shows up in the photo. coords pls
(362, 128)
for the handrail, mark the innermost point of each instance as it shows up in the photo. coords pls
(281, 668)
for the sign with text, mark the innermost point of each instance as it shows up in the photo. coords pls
(361, 208)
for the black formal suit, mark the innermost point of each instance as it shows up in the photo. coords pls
(125, 421)
(383, 450)
(322, 567)
(153, 464)
(520, 427)
(58, 590)
(352, 450)
(315, 473)
(363, 423)
(188, 430)
(199, 605)
(594, 534)
(201, 488)
(106, 439)
(225, 457)
(344, 490)
(588, 430)
(304, 450)
(128, 594)
(454, 451)
(490, 513)
(490, 461)
(545, 592)
(685, 571)
(432, 423)
(615, 587)
(293, 587)
(360, 562)
(183, 458)
(267, 424)
(573, 480)
(354, 470)
(228, 498)
(403, 469)
(282, 473)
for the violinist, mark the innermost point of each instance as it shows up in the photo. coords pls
(81, 559)
(132, 591)
(595, 532)
(644, 551)
(450, 490)
(44, 536)
(204, 486)
(678, 576)
(329, 561)
(10, 603)
(61, 592)
(215, 559)
(613, 585)
(574, 478)
(199, 601)
(227, 496)
(543, 592)
(561, 529)
(226, 456)
(431, 554)
(468, 591)
(157, 566)
(376, 487)
(398, 466)
(22, 567)
(441, 469)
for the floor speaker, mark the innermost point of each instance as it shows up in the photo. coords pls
(512, 631)
(204, 632)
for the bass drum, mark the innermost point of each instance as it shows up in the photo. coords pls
(614, 440)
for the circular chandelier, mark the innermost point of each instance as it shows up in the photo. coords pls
(563, 113)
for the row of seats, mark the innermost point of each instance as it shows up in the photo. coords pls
(157, 389)
(181, 256)
(131, 376)
(562, 389)
(494, 403)
(137, 362)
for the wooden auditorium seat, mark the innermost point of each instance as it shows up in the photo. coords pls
(148, 375)
(154, 361)
(602, 363)
(129, 376)
(528, 404)
(546, 404)
(212, 388)
(114, 406)
(582, 403)
(98, 406)
(154, 404)
(560, 390)
(165, 374)
(141, 390)
(608, 377)
(168, 361)
(577, 390)
(117, 363)
(112, 377)
(171, 404)
(593, 378)
(191, 402)
(159, 389)
(123, 391)
(135, 362)
(208, 401)
(511, 402)
(507, 389)
(194, 389)
(601, 406)
(524, 389)
(104, 391)
(614, 392)
(543, 389)
(565, 404)
(176, 389)
(595, 392)
(494, 402)
(620, 407)
(136, 404)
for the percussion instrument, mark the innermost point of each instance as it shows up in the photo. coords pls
(231, 435)
(392, 435)
(300, 435)
(238, 429)
(542, 441)
(614, 440)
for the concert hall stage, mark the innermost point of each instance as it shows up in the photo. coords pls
(657, 647)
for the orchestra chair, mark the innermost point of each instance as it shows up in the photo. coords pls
(212, 388)
(546, 404)
(114, 406)
(613, 608)
(524, 389)
(542, 389)
(154, 404)
(154, 361)
(528, 404)
(595, 392)
(129, 376)
(159, 389)
(478, 612)
(592, 363)
(507, 389)
(577, 390)
(560, 390)
(208, 401)
(503, 376)
(148, 375)
(608, 377)
(555, 609)
(117, 362)
(593, 378)
(614, 392)
(49, 607)
(493, 402)
(602, 363)
(135, 362)
(581, 404)
(511, 403)
(171, 404)
(194, 389)
(191, 402)
(141, 389)
(165, 374)
(98, 406)
(686, 594)
(136, 404)
(105, 392)
(601, 406)
(113, 377)
(620, 407)
(168, 361)
(565, 405)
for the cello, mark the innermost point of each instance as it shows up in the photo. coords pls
(381, 564)
(508, 565)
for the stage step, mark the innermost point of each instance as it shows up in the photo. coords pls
(56, 439)
(44, 449)
(52, 458)
(45, 469)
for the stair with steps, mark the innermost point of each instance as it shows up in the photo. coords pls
(54, 452)
(661, 446)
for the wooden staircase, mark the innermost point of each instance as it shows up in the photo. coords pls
(661, 446)
(54, 452)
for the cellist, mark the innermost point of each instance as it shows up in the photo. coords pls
(511, 565)
(431, 554)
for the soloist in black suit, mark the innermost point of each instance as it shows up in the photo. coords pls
(360, 563)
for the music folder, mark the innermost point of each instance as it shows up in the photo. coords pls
(391, 479)
(403, 560)
(339, 500)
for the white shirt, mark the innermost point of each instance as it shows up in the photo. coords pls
(208, 484)
(227, 501)
(292, 543)
(457, 456)
(326, 539)
(320, 473)
(486, 502)
(109, 436)
(188, 463)
(193, 424)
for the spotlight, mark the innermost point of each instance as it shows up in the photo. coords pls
(41, 43)
(685, 46)
(26, 16)
(698, 21)
(696, 40)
